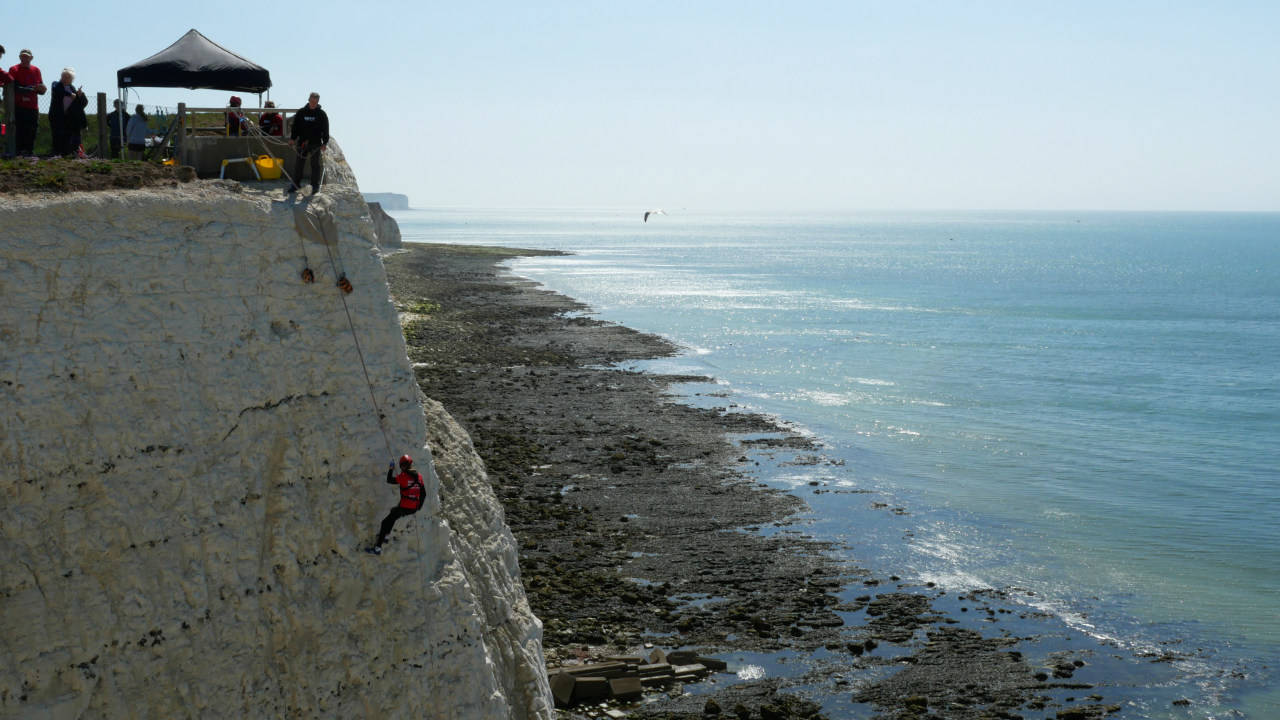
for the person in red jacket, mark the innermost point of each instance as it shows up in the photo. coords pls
(4, 80)
(271, 123)
(237, 123)
(413, 493)
(28, 85)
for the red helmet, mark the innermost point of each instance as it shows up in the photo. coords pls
(235, 101)
(406, 460)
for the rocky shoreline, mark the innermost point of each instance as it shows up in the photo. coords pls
(642, 524)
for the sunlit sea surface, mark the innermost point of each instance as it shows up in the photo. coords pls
(1083, 406)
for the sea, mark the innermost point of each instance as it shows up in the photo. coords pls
(1079, 408)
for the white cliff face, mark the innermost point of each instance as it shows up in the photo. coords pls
(388, 232)
(191, 464)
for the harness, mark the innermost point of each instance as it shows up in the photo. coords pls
(415, 492)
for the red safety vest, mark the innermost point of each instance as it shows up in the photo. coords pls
(412, 490)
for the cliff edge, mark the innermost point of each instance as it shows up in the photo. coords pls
(192, 461)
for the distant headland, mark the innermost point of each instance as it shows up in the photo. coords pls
(389, 201)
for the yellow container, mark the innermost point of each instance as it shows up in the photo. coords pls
(268, 167)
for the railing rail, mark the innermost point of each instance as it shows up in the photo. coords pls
(187, 129)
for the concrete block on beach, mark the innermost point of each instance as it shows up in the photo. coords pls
(691, 671)
(605, 669)
(626, 688)
(586, 689)
(681, 657)
(562, 684)
(712, 664)
(623, 677)
(628, 659)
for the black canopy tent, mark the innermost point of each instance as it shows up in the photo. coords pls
(197, 63)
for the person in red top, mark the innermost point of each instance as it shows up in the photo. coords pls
(4, 80)
(4, 74)
(28, 85)
(237, 123)
(271, 123)
(413, 493)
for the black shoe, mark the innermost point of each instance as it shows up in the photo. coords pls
(292, 189)
(315, 190)
(375, 550)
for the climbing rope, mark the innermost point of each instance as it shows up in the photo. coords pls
(430, 680)
(344, 285)
(381, 425)
(342, 295)
(307, 275)
(422, 527)
(263, 139)
(339, 269)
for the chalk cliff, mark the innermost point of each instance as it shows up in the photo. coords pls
(385, 227)
(191, 463)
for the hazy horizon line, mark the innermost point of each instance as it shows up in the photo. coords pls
(815, 210)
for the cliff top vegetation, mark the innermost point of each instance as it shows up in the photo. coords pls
(31, 175)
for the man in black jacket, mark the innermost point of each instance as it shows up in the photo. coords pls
(116, 123)
(309, 135)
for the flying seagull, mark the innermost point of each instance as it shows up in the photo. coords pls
(653, 212)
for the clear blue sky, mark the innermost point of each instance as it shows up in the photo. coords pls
(784, 105)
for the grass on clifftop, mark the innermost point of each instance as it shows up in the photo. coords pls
(32, 175)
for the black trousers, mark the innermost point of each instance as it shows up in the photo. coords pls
(389, 521)
(28, 121)
(58, 135)
(317, 166)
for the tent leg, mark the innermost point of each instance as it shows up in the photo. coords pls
(122, 95)
(180, 140)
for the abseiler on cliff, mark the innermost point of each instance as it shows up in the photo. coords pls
(191, 464)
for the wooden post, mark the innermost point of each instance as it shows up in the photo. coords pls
(157, 151)
(180, 142)
(104, 147)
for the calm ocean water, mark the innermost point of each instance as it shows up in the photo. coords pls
(1082, 406)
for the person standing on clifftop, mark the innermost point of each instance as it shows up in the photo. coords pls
(136, 132)
(309, 134)
(4, 74)
(66, 114)
(413, 493)
(116, 123)
(28, 85)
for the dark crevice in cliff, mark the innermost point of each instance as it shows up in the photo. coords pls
(273, 405)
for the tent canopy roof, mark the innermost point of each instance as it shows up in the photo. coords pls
(197, 63)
